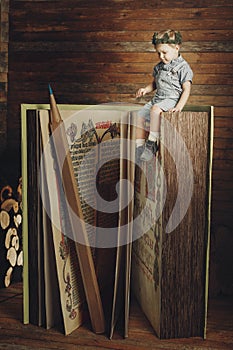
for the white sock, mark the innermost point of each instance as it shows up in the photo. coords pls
(154, 136)
(140, 142)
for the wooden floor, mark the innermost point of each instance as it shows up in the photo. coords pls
(15, 335)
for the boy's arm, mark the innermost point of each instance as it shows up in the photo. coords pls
(143, 91)
(183, 97)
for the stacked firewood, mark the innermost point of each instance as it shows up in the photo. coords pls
(11, 250)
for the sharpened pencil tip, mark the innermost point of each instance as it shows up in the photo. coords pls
(50, 90)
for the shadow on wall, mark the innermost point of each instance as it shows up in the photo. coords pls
(10, 165)
(221, 262)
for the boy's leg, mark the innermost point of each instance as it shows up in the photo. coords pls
(142, 115)
(152, 143)
(155, 117)
(140, 137)
(140, 129)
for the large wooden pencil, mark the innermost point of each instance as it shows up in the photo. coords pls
(76, 218)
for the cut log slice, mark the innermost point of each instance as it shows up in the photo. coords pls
(10, 203)
(12, 256)
(15, 242)
(20, 259)
(6, 192)
(11, 232)
(17, 220)
(4, 219)
(8, 277)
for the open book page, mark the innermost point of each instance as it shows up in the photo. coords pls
(95, 157)
(94, 142)
(121, 291)
(109, 262)
(105, 137)
(107, 217)
(52, 306)
(69, 278)
(130, 175)
(146, 252)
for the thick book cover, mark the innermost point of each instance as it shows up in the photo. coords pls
(172, 205)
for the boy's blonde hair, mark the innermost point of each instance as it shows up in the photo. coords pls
(168, 36)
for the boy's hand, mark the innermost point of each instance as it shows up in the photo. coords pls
(141, 92)
(173, 110)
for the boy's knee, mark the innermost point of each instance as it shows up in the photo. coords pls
(156, 109)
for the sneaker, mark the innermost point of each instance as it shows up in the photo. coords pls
(138, 153)
(150, 149)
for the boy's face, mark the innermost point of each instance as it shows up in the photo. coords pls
(167, 52)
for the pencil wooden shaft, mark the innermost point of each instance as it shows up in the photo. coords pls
(77, 225)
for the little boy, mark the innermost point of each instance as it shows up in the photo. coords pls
(172, 79)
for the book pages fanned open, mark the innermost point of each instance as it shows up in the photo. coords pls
(69, 277)
(147, 223)
(95, 149)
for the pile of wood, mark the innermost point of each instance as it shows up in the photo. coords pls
(11, 251)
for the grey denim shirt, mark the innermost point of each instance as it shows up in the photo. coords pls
(170, 77)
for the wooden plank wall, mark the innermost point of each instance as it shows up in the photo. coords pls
(100, 51)
(4, 36)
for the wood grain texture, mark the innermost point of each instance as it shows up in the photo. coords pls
(184, 249)
(4, 39)
(16, 336)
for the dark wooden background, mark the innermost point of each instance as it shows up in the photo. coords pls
(98, 51)
(4, 38)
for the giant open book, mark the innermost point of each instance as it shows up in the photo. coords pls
(147, 224)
